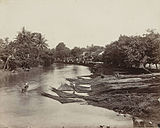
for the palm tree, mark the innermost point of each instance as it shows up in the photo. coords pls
(40, 43)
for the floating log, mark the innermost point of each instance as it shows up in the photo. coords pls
(130, 88)
(82, 81)
(140, 76)
(81, 89)
(60, 99)
(63, 94)
(71, 79)
(68, 95)
(77, 88)
(65, 87)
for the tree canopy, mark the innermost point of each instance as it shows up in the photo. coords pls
(62, 51)
(133, 51)
(30, 49)
(26, 50)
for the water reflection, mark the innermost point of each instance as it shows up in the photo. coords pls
(60, 66)
(75, 69)
(31, 109)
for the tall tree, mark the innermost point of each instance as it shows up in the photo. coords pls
(40, 43)
(62, 51)
(76, 52)
(134, 51)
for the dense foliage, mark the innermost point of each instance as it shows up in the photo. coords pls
(29, 49)
(133, 51)
(26, 50)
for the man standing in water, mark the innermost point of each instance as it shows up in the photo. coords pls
(24, 89)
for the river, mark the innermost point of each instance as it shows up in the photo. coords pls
(31, 110)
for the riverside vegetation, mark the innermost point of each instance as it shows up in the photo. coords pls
(30, 49)
(130, 88)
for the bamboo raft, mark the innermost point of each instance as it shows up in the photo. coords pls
(68, 95)
(60, 99)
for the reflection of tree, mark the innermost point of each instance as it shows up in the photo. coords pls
(60, 66)
(49, 69)
(75, 69)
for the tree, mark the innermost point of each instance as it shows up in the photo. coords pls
(62, 51)
(153, 47)
(27, 49)
(76, 52)
(133, 51)
(40, 43)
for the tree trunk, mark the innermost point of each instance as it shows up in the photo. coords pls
(6, 63)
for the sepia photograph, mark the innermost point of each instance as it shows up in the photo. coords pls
(79, 63)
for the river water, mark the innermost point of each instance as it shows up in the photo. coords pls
(31, 110)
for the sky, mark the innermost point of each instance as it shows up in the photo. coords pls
(79, 22)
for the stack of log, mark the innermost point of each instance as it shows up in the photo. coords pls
(133, 94)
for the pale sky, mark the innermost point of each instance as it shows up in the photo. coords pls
(79, 22)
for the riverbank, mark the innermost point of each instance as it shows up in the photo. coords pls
(136, 95)
(33, 110)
